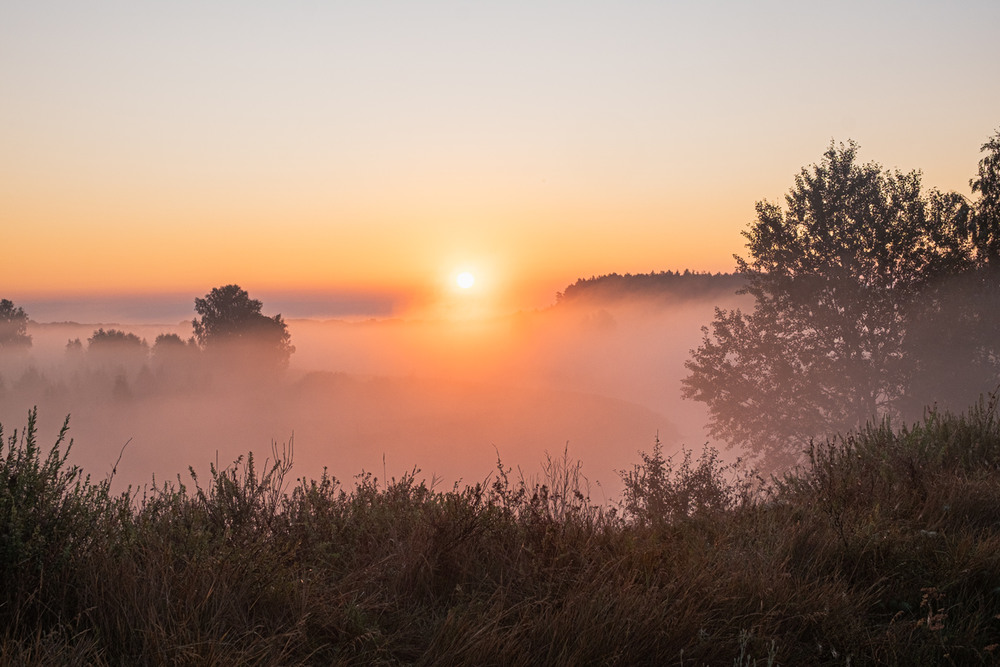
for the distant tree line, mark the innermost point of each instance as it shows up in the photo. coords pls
(230, 328)
(662, 284)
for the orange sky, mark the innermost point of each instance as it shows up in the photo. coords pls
(383, 148)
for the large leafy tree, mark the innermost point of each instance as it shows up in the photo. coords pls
(232, 322)
(839, 277)
(13, 327)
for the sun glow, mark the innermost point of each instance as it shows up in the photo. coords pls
(465, 280)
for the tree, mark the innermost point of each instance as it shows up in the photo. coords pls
(116, 346)
(984, 227)
(231, 322)
(839, 279)
(962, 314)
(169, 341)
(170, 349)
(114, 340)
(168, 345)
(13, 327)
(117, 351)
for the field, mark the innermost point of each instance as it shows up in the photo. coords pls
(884, 548)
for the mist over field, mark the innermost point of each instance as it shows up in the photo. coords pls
(597, 375)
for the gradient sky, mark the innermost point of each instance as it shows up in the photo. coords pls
(379, 148)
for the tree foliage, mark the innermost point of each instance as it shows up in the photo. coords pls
(13, 327)
(115, 340)
(842, 278)
(168, 341)
(985, 216)
(232, 322)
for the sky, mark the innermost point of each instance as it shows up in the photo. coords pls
(343, 158)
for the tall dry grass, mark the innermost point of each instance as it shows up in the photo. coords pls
(884, 548)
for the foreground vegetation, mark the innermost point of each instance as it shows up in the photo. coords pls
(883, 549)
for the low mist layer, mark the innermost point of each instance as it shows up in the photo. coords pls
(597, 375)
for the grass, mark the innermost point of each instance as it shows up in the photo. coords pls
(883, 548)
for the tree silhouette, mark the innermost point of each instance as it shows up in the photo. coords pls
(984, 227)
(962, 314)
(231, 324)
(13, 327)
(840, 279)
(169, 341)
(114, 340)
(118, 351)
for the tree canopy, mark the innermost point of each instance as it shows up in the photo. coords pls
(232, 322)
(114, 340)
(842, 279)
(13, 327)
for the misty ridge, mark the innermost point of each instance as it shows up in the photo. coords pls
(597, 373)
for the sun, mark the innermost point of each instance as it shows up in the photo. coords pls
(465, 280)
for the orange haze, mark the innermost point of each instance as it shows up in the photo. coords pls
(445, 395)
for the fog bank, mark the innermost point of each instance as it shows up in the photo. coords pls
(600, 377)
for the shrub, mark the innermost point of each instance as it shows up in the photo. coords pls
(51, 515)
(659, 491)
